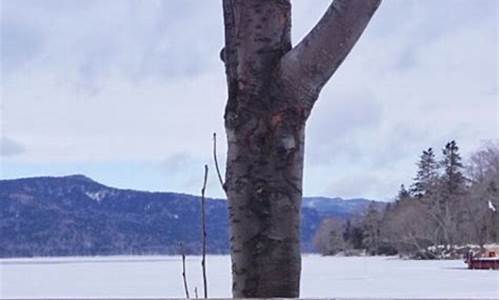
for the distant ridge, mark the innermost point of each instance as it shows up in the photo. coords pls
(75, 215)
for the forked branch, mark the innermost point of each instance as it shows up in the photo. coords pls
(311, 63)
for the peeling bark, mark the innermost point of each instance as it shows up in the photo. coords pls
(271, 91)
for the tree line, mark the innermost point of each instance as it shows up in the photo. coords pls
(449, 204)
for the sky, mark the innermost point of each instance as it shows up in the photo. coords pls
(130, 92)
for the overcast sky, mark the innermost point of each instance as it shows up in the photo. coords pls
(129, 92)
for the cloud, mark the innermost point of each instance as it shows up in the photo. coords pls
(92, 38)
(9, 147)
(182, 171)
(127, 81)
(432, 73)
(114, 79)
(342, 119)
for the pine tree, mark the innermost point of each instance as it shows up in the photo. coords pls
(453, 177)
(353, 235)
(452, 188)
(371, 229)
(427, 174)
(403, 193)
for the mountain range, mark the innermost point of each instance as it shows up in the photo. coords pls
(75, 215)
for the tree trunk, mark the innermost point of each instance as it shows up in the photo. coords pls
(271, 91)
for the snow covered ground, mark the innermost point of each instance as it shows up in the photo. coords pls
(160, 276)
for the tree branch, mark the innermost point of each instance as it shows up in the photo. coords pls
(311, 63)
(221, 181)
(204, 234)
(184, 279)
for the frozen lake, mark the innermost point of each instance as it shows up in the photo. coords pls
(160, 276)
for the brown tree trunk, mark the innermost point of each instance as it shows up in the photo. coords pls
(271, 91)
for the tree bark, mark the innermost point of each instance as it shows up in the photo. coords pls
(271, 91)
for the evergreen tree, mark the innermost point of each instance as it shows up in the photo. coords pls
(453, 177)
(371, 229)
(427, 174)
(452, 188)
(403, 193)
(353, 235)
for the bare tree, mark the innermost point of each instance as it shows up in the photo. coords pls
(272, 88)
(329, 238)
(481, 203)
(407, 227)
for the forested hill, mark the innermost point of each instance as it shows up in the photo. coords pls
(74, 215)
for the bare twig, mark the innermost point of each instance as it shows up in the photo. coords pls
(217, 164)
(196, 292)
(183, 253)
(204, 234)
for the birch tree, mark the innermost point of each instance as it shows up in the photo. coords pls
(272, 88)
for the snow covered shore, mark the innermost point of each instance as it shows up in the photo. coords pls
(160, 276)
